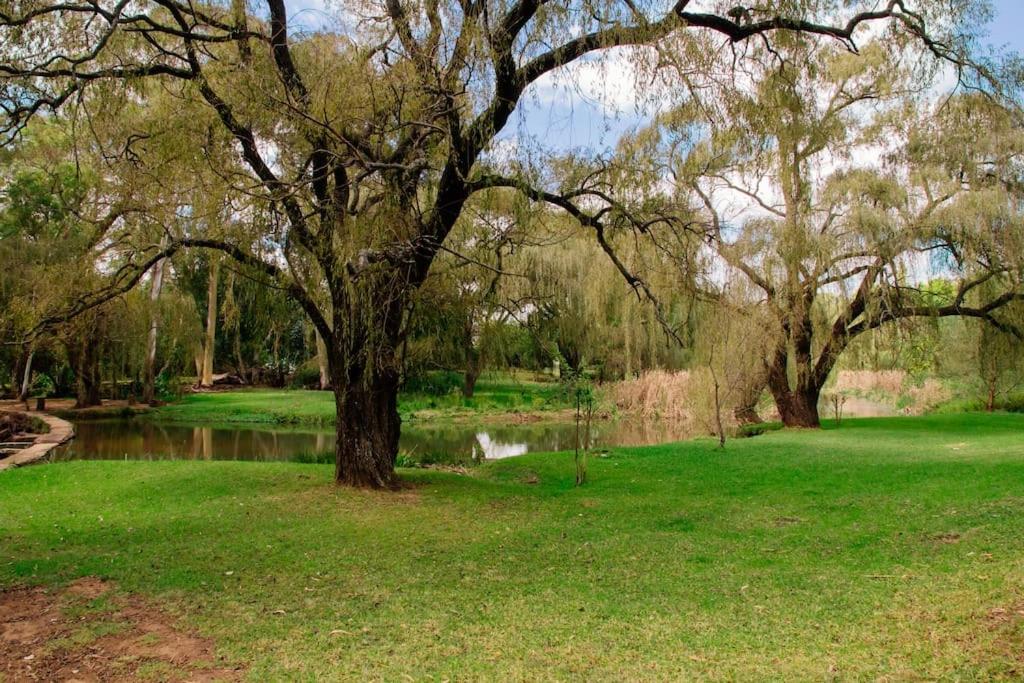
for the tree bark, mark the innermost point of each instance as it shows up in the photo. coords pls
(367, 430)
(472, 373)
(149, 381)
(746, 407)
(26, 379)
(322, 361)
(87, 374)
(243, 371)
(206, 379)
(798, 407)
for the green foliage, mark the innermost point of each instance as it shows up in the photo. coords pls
(307, 376)
(751, 430)
(41, 387)
(433, 383)
(314, 458)
(39, 204)
(166, 387)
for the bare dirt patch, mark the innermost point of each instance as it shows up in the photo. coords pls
(87, 633)
(948, 537)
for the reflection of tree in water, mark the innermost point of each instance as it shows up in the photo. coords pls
(641, 432)
(494, 450)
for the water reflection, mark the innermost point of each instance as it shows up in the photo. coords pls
(439, 443)
(494, 450)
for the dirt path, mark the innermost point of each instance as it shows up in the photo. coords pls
(86, 633)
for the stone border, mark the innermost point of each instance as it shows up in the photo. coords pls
(61, 431)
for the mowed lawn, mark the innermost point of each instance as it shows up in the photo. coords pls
(882, 549)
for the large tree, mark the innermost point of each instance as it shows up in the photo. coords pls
(836, 186)
(363, 143)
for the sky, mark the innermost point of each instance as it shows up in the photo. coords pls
(1008, 27)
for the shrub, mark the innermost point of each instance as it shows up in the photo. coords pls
(306, 376)
(314, 458)
(656, 393)
(167, 388)
(439, 383)
(42, 386)
(749, 430)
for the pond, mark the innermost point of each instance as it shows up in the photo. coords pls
(450, 443)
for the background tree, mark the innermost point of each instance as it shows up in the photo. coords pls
(811, 185)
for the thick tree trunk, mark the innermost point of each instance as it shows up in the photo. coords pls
(797, 402)
(87, 375)
(367, 429)
(798, 408)
(206, 379)
(747, 415)
(149, 380)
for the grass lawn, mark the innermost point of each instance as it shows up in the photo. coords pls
(494, 395)
(889, 548)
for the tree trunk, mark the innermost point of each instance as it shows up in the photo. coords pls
(322, 361)
(473, 367)
(750, 393)
(627, 372)
(798, 408)
(149, 381)
(367, 430)
(87, 375)
(718, 411)
(26, 379)
(206, 379)
(243, 371)
(747, 415)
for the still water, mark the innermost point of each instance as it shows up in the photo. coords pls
(448, 443)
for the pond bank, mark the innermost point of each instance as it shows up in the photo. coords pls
(60, 432)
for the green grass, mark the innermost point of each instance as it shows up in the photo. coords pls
(888, 548)
(493, 396)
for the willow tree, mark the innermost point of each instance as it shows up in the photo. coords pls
(843, 202)
(365, 141)
(835, 186)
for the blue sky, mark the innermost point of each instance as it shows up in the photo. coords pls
(1008, 27)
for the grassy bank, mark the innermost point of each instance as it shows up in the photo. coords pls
(494, 397)
(886, 548)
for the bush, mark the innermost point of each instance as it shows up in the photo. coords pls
(167, 388)
(440, 383)
(1013, 404)
(314, 458)
(42, 386)
(306, 376)
(749, 430)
